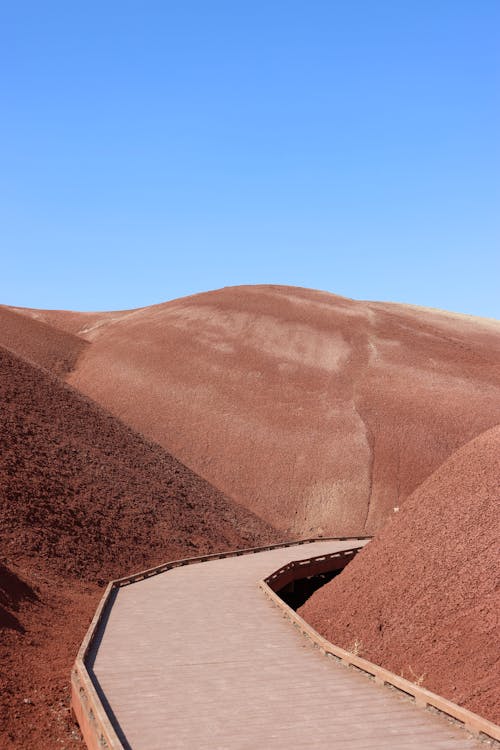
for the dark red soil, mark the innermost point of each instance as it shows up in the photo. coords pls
(423, 598)
(334, 411)
(82, 499)
(40, 634)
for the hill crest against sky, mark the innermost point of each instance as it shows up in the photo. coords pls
(319, 413)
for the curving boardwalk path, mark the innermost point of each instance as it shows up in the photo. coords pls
(199, 657)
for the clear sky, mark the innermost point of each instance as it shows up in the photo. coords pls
(150, 150)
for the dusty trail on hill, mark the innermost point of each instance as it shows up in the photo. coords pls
(83, 499)
(423, 599)
(319, 413)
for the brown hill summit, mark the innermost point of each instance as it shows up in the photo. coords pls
(82, 498)
(318, 413)
(423, 598)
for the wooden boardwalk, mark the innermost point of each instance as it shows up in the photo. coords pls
(199, 657)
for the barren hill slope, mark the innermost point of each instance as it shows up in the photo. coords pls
(423, 598)
(319, 413)
(39, 342)
(82, 498)
(82, 490)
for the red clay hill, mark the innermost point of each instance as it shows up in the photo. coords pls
(318, 413)
(83, 498)
(423, 598)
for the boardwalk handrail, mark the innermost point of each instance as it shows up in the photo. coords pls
(297, 569)
(141, 575)
(95, 724)
(423, 698)
(96, 727)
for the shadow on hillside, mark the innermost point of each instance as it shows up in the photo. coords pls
(13, 591)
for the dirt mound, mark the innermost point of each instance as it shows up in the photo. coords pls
(82, 490)
(82, 498)
(423, 598)
(319, 413)
(39, 342)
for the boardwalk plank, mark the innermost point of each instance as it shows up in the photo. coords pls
(198, 657)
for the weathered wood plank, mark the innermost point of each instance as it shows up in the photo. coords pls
(198, 657)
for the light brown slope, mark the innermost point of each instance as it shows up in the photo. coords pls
(423, 599)
(317, 412)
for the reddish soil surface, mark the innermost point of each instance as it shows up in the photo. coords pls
(423, 598)
(38, 342)
(83, 499)
(43, 618)
(319, 413)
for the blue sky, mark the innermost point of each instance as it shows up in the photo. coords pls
(150, 150)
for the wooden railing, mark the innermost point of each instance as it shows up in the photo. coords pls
(95, 724)
(312, 566)
(422, 697)
(97, 728)
(233, 553)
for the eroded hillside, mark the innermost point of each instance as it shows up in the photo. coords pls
(319, 413)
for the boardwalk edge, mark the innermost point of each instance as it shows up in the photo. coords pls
(475, 724)
(95, 724)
